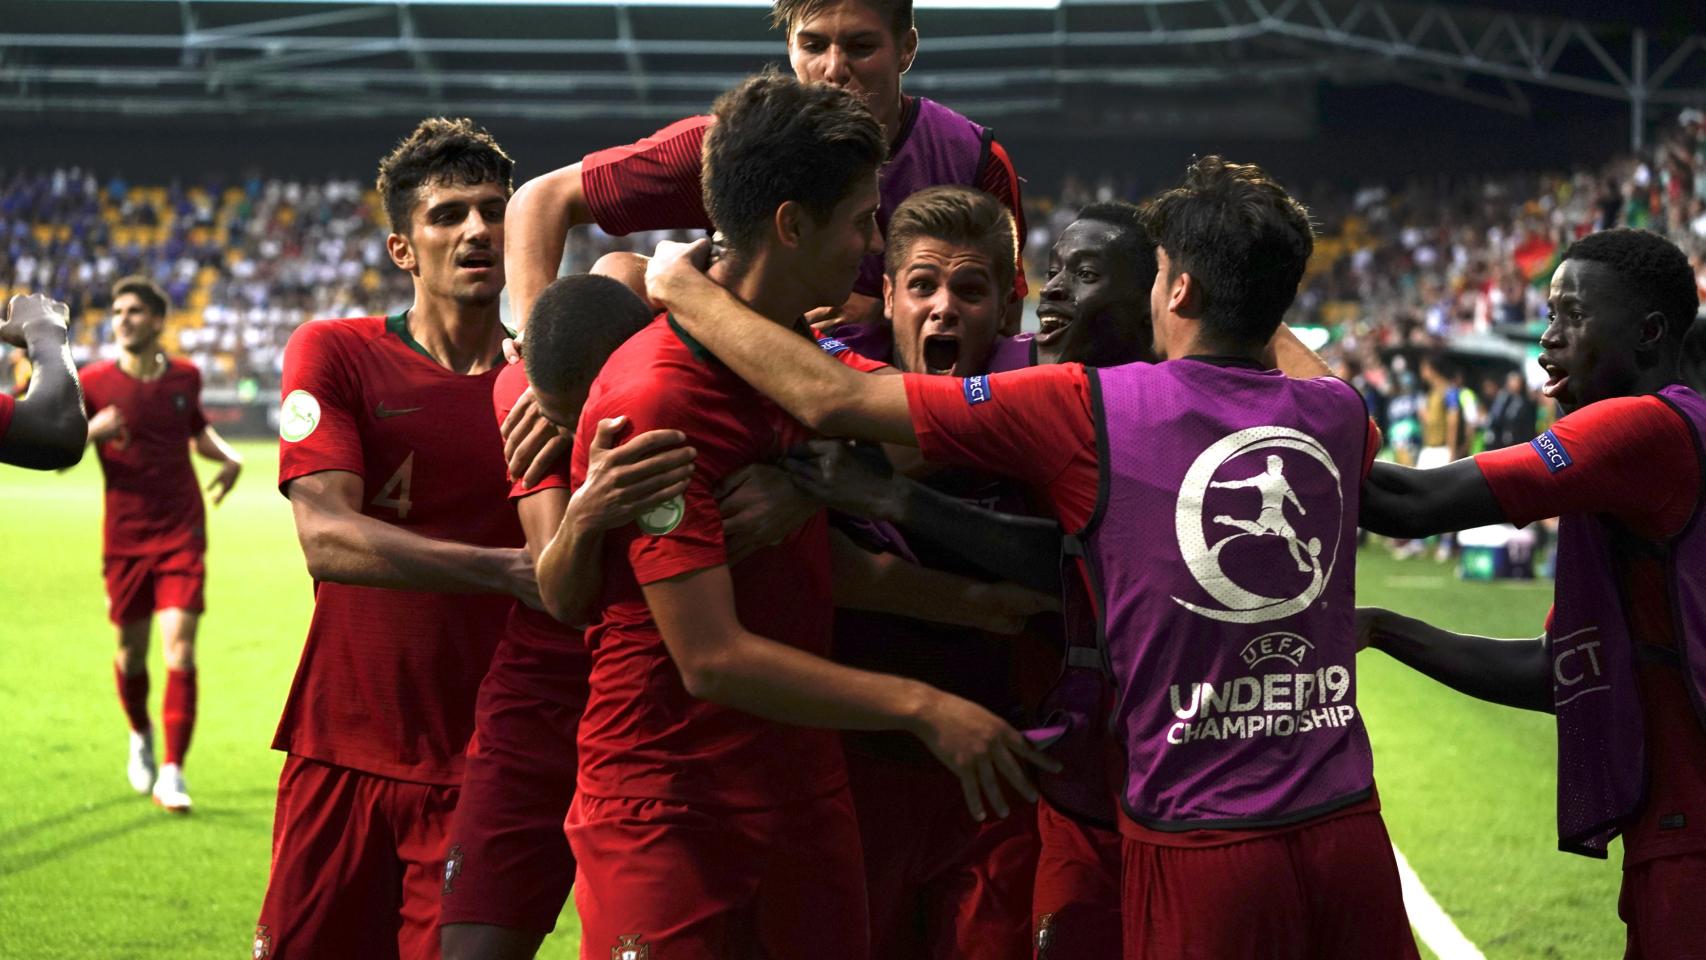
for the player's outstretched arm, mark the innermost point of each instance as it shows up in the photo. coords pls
(885, 583)
(536, 226)
(48, 428)
(1407, 502)
(821, 392)
(859, 481)
(343, 545)
(1516, 673)
(211, 446)
(622, 482)
(721, 662)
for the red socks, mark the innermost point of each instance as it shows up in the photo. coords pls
(133, 694)
(178, 713)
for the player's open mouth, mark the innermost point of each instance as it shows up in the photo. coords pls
(1051, 325)
(941, 353)
(1557, 380)
(480, 260)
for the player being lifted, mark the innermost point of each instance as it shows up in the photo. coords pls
(45, 429)
(698, 758)
(1218, 805)
(862, 46)
(145, 417)
(397, 483)
(1622, 661)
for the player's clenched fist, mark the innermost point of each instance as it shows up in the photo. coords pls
(981, 749)
(33, 314)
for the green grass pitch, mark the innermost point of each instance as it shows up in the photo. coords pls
(90, 870)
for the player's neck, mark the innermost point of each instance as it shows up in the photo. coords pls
(145, 364)
(758, 284)
(463, 338)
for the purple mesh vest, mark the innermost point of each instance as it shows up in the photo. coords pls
(1601, 739)
(941, 147)
(1223, 558)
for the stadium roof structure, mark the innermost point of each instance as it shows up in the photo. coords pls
(1112, 65)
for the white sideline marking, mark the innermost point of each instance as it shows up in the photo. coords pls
(1431, 922)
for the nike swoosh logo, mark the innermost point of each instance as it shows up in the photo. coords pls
(384, 414)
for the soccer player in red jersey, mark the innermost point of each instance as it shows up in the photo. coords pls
(145, 417)
(707, 824)
(863, 46)
(397, 484)
(508, 868)
(46, 429)
(1624, 461)
(1222, 886)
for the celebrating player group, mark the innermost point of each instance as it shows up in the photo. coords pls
(774, 598)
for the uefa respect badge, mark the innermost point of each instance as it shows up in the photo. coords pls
(664, 517)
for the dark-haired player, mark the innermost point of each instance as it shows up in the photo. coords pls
(45, 429)
(1238, 810)
(508, 868)
(1622, 661)
(145, 416)
(711, 819)
(397, 483)
(863, 46)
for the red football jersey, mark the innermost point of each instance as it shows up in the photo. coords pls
(643, 735)
(153, 501)
(388, 677)
(6, 405)
(538, 656)
(654, 184)
(1632, 458)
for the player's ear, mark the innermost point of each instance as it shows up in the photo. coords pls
(402, 252)
(1651, 334)
(1185, 296)
(789, 223)
(908, 49)
(888, 296)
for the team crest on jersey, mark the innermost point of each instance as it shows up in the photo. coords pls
(1261, 538)
(629, 947)
(664, 517)
(298, 415)
(452, 867)
(263, 943)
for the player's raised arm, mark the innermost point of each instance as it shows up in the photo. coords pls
(537, 222)
(1516, 673)
(822, 393)
(1407, 502)
(47, 428)
(721, 662)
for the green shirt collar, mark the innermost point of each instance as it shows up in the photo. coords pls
(398, 323)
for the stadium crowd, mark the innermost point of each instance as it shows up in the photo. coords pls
(1410, 265)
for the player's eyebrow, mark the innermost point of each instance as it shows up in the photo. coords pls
(863, 36)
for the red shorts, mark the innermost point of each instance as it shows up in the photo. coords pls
(687, 883)
(1075, 911)
(1326, 891)
(940, 884)
(1660, 903)
(508, 863)
(138, 586)
(357, 864)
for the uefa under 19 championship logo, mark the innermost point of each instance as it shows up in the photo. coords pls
(1269, 552)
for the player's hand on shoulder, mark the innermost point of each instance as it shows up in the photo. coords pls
(627, 480)
(982, 751)
(674, 267)
(108, 425)
(33, 314)
(851, 478)
(761, 506)
(532, 444)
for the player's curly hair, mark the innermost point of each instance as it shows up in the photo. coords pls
(777, 139)
(787, 14)
(150, 293)
(958, 215)
(440, 150)
(1243, 238)
(576, 324)
(1133, 241)
(1654, 272)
